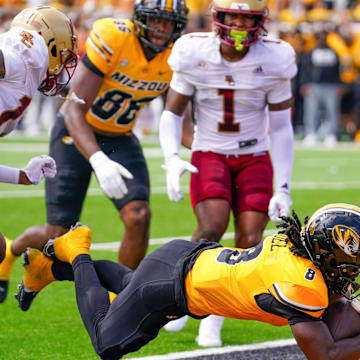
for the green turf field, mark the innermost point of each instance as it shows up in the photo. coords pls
(52, 329)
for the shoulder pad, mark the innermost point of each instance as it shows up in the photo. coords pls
(30, 47)
(189, 49)
(105, 41)
(305, 299)
(279, 57)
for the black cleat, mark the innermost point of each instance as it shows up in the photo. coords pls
(24, 297)
(48, 249)
(4, 286)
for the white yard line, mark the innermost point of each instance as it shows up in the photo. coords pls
(20, 146)
(297, 185)
(114, 246)
(222, 350)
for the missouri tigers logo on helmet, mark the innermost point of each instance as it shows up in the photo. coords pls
(347, 239)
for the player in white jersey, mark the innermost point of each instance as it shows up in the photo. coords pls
(239, 81)
(39, 49)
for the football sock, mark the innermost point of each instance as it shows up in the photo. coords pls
(7, 265)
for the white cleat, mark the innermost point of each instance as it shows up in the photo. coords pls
(176, 325)
(210, 331)
(330, 141)
(210, 341)
(310, 140)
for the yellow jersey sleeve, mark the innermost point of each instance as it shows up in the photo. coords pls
(105, 41)
(308, 300)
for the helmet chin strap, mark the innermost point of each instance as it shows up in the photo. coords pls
(239, 36)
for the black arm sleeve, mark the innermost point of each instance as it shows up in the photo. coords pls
(86, 61)
(268, 303)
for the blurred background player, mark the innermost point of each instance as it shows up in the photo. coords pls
(240, 82)
(40, 47)
(321, 90)
(124, 68)
(308, 266)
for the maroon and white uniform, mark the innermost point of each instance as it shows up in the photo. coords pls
(231, 97)
(26, 63)
(231, 140)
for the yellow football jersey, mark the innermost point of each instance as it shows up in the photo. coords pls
(130, 80)
(225, 281)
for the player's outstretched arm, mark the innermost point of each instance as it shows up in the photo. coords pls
(315, 340)
(37, 168)
(170, 134)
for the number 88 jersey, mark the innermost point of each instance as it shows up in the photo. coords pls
(130, 81)
(226, 281)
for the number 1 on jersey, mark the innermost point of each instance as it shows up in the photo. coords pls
(228, 124)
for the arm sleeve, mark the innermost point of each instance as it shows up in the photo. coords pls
(170, 131)
(282, 148)
(9, 175)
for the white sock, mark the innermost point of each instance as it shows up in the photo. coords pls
(210, 331)
(176, 325)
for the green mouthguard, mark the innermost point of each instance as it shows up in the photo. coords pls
(238, 36)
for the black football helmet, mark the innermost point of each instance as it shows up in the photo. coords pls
(175, 10)
(331, 239)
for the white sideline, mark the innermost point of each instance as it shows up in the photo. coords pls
(114, 246)
(223, 350)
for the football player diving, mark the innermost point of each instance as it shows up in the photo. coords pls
(239, 81)
(124, 68)
(39, 52)
(289, 278)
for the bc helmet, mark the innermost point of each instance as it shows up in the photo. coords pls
(60, 39)
(236, 37)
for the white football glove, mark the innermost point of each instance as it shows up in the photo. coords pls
(110, 175)
(40, 167)
(279, 206)
(175, 167)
